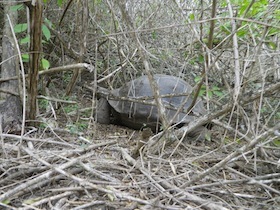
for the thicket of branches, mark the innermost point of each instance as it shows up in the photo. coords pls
(232, 49)
(228, 50)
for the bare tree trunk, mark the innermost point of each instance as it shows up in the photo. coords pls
(10, 104)
(10, 65)
(83, 31)
(34, 62)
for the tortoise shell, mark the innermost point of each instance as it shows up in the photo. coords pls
(141, 110)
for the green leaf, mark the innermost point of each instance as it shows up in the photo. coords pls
(218, 93)
(215, 88)
(72, 128)
(201, 92)
(277, 116)
(45, 64)
(97, 2)
(276, 142)
(25, 57)
(25, 40)
(154, 34)
(273, 31)
(20, 27)
(197, 79)
(192, 61)
(244, 5)
(208, 136)
(110, 196)
(201, 58)
(272, 45)
(46, 32)
(277, 14)
(16, 7)
(210, 93)
(32, 200)
(59, 2)
(191, 16)
(242, 32)
(264, 2)
(6, 201)
(226, 29)
(48, 23)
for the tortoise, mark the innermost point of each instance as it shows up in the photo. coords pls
(133, 113)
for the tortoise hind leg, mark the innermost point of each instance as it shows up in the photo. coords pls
(103, 111)
(201, 133)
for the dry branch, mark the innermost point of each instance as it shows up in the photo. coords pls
(165, 187)
(182, 132)
(231, 156)
(48, 174)
(71, 67)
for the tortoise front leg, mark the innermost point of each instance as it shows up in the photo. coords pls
(103, 111)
